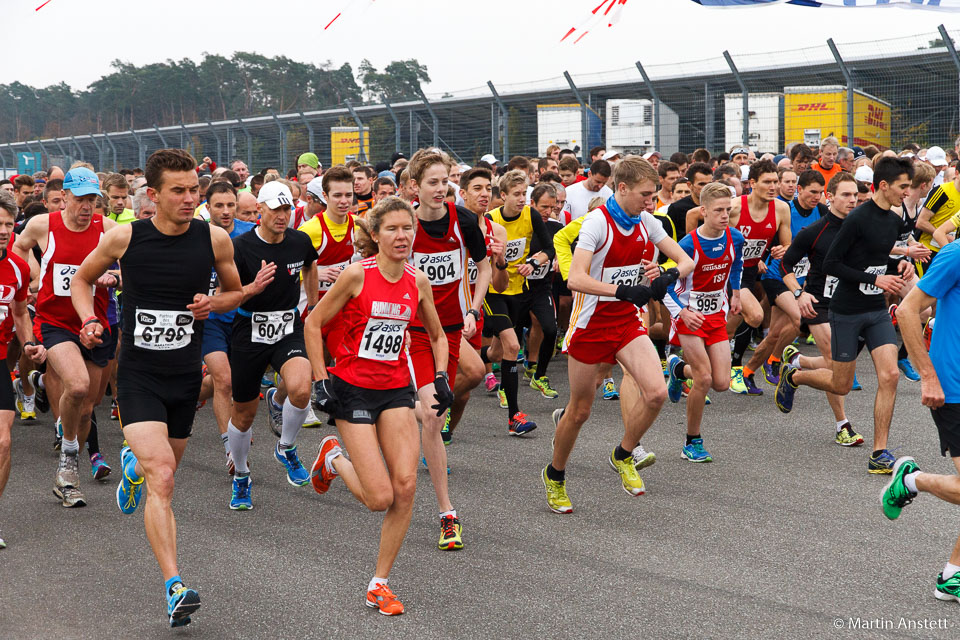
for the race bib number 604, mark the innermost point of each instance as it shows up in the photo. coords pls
(162, 330)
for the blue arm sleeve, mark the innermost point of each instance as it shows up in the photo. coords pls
(736, 270)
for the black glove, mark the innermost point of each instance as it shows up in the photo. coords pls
(660, 285)
(443, 394)
(324, 398)
(638, 294)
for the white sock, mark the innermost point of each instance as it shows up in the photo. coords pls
(239, 447)
(374, 582)
(840, 424)
(606, 380)
(70, 446)
(452, 512)
(292, 423)
(225, 438)
(910, 482)
(949, 570)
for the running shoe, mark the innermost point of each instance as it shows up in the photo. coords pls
(786, 389)
(502, 396)
(610, 391)
(267, 380)
(674, 384)
(99, 469)
(663, 365)
(906, 366)
(240, 500)
(771, 372)
(629, 478)
(685, 388)
(296, 474)
(384, 600)
(490, 382)
(737, 385)
(811, 340)
(948, 589)
(856, 384)
(557, 498)
(519, 425)
(3, 544)
(231, 467)
(450, 534)
(892, 310)
(423, 461)
(322, 472)
(181, 603)
(274, 413)
(311, 421)
(114, 410)
(643, 458)
(446, 433)
(58, 438)
(928, 332)
(129, 489)
(752, 388)
(495, 367)
(40, 394)
(528, 371)
(895, 495)
(66, 486)
(847, 437)
(694, 452)
(25, 404)
(754, 343)
(542, 384)
(882, 463)
(790, 353)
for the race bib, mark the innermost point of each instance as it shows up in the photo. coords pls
(340, 266)
(540, 272)
(472, 270)
(441, 268)
(4, 313)
(872, 289)
(753, 249)
(267, 327)
(830, 286)
(382, 339)
(62, 277)
(514, 250)
(214, 283)
(901, 243)
(706, 302)
(628, 274)
(802, 268)
(158, 330)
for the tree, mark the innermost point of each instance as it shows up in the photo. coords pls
(400, 80)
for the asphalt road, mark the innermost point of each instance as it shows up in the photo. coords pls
(781, 536)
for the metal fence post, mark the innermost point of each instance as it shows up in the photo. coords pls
(361, 155)
(60, 146)
(433, 116)
(583, 117)
(948, 43)
(656, 106)
(43, 150)
(99, 165)
(106, 136)
(249, 143)
(141, 152)
(744, 94)
(504, 124)
(185, 137)
(309, 127)
(216, 135)
(163, 140)
(283, 144)
(708, 118)
(849, 79)
(396, 124)
(413, 132)
(79, 148)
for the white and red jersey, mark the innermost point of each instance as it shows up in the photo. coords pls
(14, 286)
(757, 235)
(617, 259)
(372, 330)
(472, 269)
(444, 261)
(64, 253)
(705, 288)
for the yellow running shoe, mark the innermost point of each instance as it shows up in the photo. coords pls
(847, 437)
(450, 531)
(737, 385)
(502, 395)
(632, 483)
(542, 384)
(557, 498)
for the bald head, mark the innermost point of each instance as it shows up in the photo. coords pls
(246, 207)
(56, 173)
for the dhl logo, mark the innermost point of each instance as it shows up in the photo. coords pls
(876, 117)
(813, 106)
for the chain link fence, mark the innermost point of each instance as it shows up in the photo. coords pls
(885, 93)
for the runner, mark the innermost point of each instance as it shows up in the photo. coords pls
(66, 238)
(267, 330)
(368, 392)
(699, 303)
(858, 258)
(939, 207)
(163, 312)
(607, 264)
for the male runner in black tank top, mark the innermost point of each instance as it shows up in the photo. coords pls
(159, 369)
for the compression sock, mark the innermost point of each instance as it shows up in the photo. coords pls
(741, 340)
(902, 354)
(661, 346)
(483, 354)
(225, 438)
(93, 442)
(239, 448)
(547, 346)
(678, 369)
(293, 418)
(773, 360)
(509, 384)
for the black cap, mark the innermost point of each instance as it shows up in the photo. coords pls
(396, 157)
(858, 153)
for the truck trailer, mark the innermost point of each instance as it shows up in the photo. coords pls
(562, 125)
(631, 127)
(814, 113)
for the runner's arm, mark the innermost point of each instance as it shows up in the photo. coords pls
(230, 293)
(562, 241)
(911, 329)
(941, 235)
(694, 218)
(113, 245)
(795, 252)
(546, 254)
(783, 229)
(347, 286)
(923, 221)
(833, 264)
(427, 312)
(736, 269)
(674, 252)
(36, 228)
(311, 283)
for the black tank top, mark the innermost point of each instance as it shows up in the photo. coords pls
(161, 274)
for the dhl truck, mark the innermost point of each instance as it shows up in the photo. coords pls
(345, 144)
(814, 113)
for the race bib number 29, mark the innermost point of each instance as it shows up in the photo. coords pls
(161, 330)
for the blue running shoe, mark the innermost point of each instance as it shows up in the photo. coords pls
(423, 461)
(771, 373)
(181, 603)
(266, 380)
(882, 463)
(274, 413)
(908, 371)
(694, 452)
(674, 384)
(99, 469)
(752, 388)
(610, 390)
(131, 485)
(786, 389)
(240, 501)
(296, 474)
(518, 425)
(856, 384)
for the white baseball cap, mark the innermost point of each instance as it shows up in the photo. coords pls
(490, 159)
(275, 194)
(936, 156)
(864, 174)
(315, 188)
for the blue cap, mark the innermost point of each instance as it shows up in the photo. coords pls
(386, 173)
(81, 182)
(777, 158)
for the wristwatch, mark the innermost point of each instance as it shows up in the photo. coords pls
(797, 293)
(474, 313)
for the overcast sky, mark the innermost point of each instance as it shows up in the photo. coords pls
(463, 46)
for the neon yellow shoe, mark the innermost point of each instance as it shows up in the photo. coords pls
(503, 398)
(542, 384)
(847, 437)
(557, 498)
(529, 371)
(737, 384)
(450, 534)
(632, 483)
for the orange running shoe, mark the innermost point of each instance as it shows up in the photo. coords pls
(320, 475)
(383, 599)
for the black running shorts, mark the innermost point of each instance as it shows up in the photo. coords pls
(874, 327)
(363, 406)
(947, 419)
(171, 398)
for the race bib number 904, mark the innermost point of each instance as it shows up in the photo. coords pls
(161, 330)
(382, 339)
(441, 268)
(62, 277)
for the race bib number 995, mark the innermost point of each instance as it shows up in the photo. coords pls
(162, 330)
(706, 302)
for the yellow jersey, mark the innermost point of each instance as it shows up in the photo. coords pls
(519, 235)
(944, 203)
